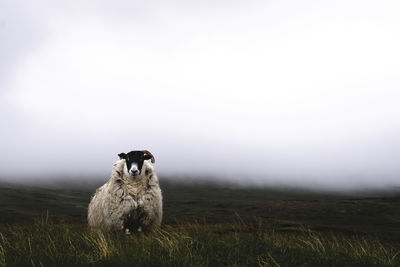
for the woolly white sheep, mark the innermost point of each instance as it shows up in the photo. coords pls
(131, 200)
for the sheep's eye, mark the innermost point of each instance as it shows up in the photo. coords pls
(147, 172)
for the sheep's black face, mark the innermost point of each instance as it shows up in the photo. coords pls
(134, 161)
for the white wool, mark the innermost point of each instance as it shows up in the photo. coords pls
(126, 202)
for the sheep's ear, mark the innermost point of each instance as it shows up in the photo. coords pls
(148, 155)
(122, 156)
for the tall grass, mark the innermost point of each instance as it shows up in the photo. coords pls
(46, 243)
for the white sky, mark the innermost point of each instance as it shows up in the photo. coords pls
(267, 91)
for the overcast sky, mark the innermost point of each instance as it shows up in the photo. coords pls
(264, 91)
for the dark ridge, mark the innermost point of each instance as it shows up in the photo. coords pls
(217, 203)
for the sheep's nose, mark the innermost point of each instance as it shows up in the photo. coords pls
(135, 172)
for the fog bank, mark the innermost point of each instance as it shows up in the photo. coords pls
(276, 93)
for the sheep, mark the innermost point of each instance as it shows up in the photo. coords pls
(131, 200)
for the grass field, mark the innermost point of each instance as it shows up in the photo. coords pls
(204, 225)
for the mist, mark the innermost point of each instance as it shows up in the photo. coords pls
(261, 93)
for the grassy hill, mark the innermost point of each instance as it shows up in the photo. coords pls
(204, 225)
